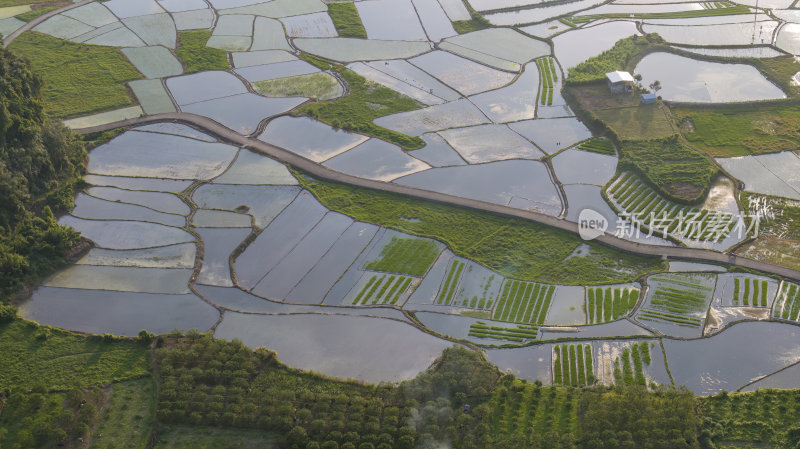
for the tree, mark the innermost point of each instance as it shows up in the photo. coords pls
(655, 86)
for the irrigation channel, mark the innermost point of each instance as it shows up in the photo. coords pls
(318, 170)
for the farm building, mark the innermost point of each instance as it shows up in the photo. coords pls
(649, 98)
(619, 82)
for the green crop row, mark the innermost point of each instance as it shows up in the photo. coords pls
(629, 370)
(654, 315)
(752, 296)
(406, 256)
(547, 69)
(523, 302)
(598, 145)
(516, 334)
(660, 215)
(787, 304)
(448, 290)
(382, 290)
(609, 304)
(572, 365)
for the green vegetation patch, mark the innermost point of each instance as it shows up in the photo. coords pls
(195, 437)
(34, 13)
(37, 418)
(346, 20)
(406, 256)
(764, 418)
(629, 370)
(475, 23)
(383, 289)
(547, 69)
(619, 57)
(41, 355)
(781, 71)
(572, 365)
(196, 56)
(787, 303)
(448, 290)
(676, 170)
(753, 292)
(41, 163)
(632, 417)
(662, 217)
(741, 130)
(365, 102)
(78, 78)
(609, 303)
(128, 416)
(598, 145)
(642, 122)
(513, 247)
(528, 415)
(524, 302)
(516, 334)
(724, 11)
(319, 86)
(208, 382)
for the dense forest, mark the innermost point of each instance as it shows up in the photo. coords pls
(41, 162)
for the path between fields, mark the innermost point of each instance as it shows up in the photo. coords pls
(322, 172)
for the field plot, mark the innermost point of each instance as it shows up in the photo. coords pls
(625, 363)
(677, 303)
(688, 80)
(549, 76)
(514, 102)
(787, 303)
(604, 304)
(768, 174)
(746, 291)
(523, 302)
(382, 288)
(769, 346)
(573, 365)
(575, 166)
(598, 145)
(518, 334)
(467, 284)
(645, 206)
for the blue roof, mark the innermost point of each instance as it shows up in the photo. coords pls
(649, 96)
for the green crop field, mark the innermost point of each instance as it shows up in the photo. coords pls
(513, 248)
(523, 302)
(128, 416)
(516, 334)
(549, 76)
(610, 303)
(78, 78)
(524, 414)
(194, 54)
(406, 256)
(741, 130)
(598, 145)
(630, 369)
(753, 292)
(319, 86)
(676, 299)
(365, 102)
(676, 170)
(346, 20)
(664, 217)
(383, 289)
(787, 303)
(572, 365)
(449, 288)
(640, 122)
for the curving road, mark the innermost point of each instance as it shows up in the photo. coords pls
(41, 19)
(320, 171)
